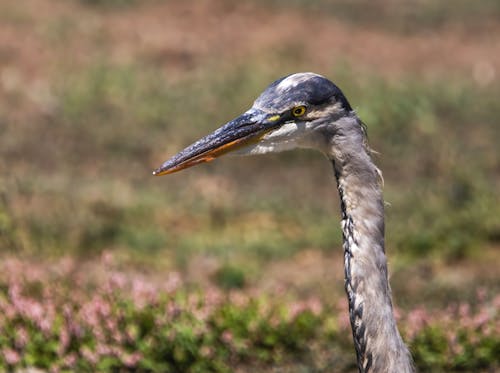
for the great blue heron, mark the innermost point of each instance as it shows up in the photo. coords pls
(307, 110)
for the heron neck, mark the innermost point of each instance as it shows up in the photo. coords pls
(378, 344)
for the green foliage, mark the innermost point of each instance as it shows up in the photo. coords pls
(113, 328)
(230, 277)
(430, 348)
(469, 351)
(118, 322)
(8, 235)
(108, 4)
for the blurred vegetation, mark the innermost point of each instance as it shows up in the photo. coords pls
(401, 16)
(54, 316)
(77, 147)
(437, 143)
(230, 277)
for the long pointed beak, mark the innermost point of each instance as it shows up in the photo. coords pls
(244, 130)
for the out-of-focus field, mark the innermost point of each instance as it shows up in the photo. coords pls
(237, 265)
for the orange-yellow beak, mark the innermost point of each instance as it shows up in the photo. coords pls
(244, 130)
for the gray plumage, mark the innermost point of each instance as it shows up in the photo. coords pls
(308, 110)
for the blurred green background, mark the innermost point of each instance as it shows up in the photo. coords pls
(94, 94)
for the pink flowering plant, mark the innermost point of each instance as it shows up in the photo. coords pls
(57, 318)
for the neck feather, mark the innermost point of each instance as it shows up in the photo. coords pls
(378, 344)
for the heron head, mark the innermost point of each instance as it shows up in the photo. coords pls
(290, 113)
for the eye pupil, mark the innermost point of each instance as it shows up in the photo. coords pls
(300, 110)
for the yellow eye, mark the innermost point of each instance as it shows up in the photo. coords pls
(298, 111)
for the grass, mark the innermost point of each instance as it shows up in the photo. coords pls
(115, 122)
(401, 17)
